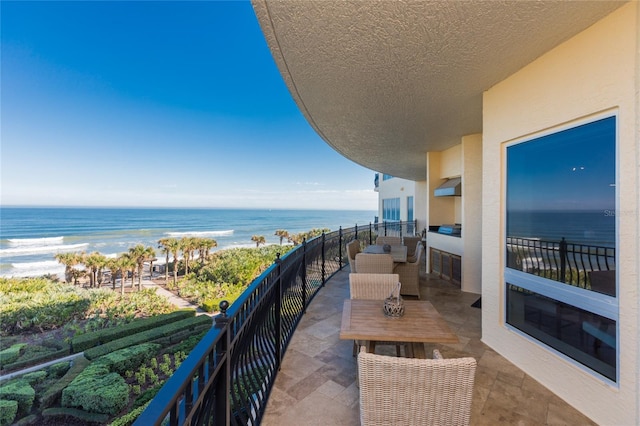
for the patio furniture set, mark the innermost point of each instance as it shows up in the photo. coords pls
(410, 390)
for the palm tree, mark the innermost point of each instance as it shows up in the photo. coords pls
(172, 245)
(188, 246)
(141, 254)
(118, 266)
(207, 245)
(165, 245)
(69, 260)
(129, 264)
(94, 263)
(282, 233)
(258, 239)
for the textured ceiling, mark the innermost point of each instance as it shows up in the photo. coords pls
(384, 82)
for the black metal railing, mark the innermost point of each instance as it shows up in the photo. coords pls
(228, 376)
(571, 263)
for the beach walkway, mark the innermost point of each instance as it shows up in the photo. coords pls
(175, 300)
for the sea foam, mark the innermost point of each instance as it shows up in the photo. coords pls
(21, 242)
(33, 249)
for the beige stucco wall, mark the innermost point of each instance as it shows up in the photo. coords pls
(451, 162)
(596, 71)
(396, 188)
(471, 155)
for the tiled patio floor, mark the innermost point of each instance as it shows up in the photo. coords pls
(316, 384)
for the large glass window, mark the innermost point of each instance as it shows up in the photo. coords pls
(391, 209)
(560, 246)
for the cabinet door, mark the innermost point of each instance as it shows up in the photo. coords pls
(446, 266)
(456, 269)
(435, 262)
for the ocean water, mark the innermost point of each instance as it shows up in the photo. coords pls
(30, 237)
(597, 228)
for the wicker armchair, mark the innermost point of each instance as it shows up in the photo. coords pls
(353, 248)
(410, 391)
(373, 287)
(392, 241)
(411, 243)
(410, 274)
(374, 263)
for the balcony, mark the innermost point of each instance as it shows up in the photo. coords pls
(275, 357)
(316, 383)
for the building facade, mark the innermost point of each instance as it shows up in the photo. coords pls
(546, 152)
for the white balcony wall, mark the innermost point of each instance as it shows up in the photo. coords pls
(594, 72)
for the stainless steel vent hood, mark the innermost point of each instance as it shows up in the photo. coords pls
(451, 187)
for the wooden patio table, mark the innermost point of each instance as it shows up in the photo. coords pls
(420, 324)
(399, 253)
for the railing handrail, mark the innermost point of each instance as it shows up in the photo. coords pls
(562, 261)
(228, 376)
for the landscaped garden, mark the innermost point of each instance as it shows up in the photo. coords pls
(99, 355)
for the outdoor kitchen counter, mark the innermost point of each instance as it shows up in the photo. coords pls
(450, 243)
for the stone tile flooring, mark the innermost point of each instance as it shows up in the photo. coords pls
(316, 384)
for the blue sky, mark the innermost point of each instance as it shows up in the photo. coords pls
(157, 104)
(574, 169)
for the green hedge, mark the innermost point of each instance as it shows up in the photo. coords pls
(97, 390)
(130, 358)
(22, 363)
(179, 337)
(11, 354)
(86, 341)
(8, 411)
(52, 394)
(21, 391)
(34, 377)
(84, 416)
(148, 336)
(130, 417)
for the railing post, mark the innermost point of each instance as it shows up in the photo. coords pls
(278, 310)
(323, 269)
(563, 259)
(304, 275)
(370, 233)
(340, 248)
(222, 404)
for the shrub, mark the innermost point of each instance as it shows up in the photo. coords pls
(52, 394)
(35, 377)
(84, 416)
(11, 354)
(8, 411)
(97, 390)
(59, 369)
(148, 336)
(128, 358)
(130, 417)
(20, 391)
(88, 340)
(46, 307)
(34, 359)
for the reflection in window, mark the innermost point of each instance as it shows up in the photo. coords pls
(584, 336)
(561, 234)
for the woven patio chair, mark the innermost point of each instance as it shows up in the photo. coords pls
(392, 241)
(410, 274)
(374, 263)
(411, 243)
(411, 391)
(353, 248)
(374, 287)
